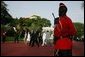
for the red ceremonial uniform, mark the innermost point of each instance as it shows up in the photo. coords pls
(64, 28)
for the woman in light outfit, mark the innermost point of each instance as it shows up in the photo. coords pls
(44, 38)
(28, 37)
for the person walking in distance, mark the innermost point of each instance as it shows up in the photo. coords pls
(35, 38)
(44, 38)
(4, 36)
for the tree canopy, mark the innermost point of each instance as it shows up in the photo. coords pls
(80, 29)
(5, 16)
(33, 23)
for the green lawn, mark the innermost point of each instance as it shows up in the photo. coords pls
(12, 39)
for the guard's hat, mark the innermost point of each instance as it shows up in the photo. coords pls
(62, 9)
(61, 4)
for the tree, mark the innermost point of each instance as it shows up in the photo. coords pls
(46, 22)
(80, 29)
(5, 16)
(33, 23)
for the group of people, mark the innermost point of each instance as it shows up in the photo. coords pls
(32, 37)
(36, 37)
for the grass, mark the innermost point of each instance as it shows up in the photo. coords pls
(9, 38)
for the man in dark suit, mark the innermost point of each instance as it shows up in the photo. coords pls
(34, 38)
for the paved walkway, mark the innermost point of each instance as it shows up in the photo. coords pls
(21, 49)
(78, 48)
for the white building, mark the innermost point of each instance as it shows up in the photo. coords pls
(48, 29)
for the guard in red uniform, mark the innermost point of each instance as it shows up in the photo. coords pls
(63, 31)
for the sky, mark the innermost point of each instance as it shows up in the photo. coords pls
(45, 9)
